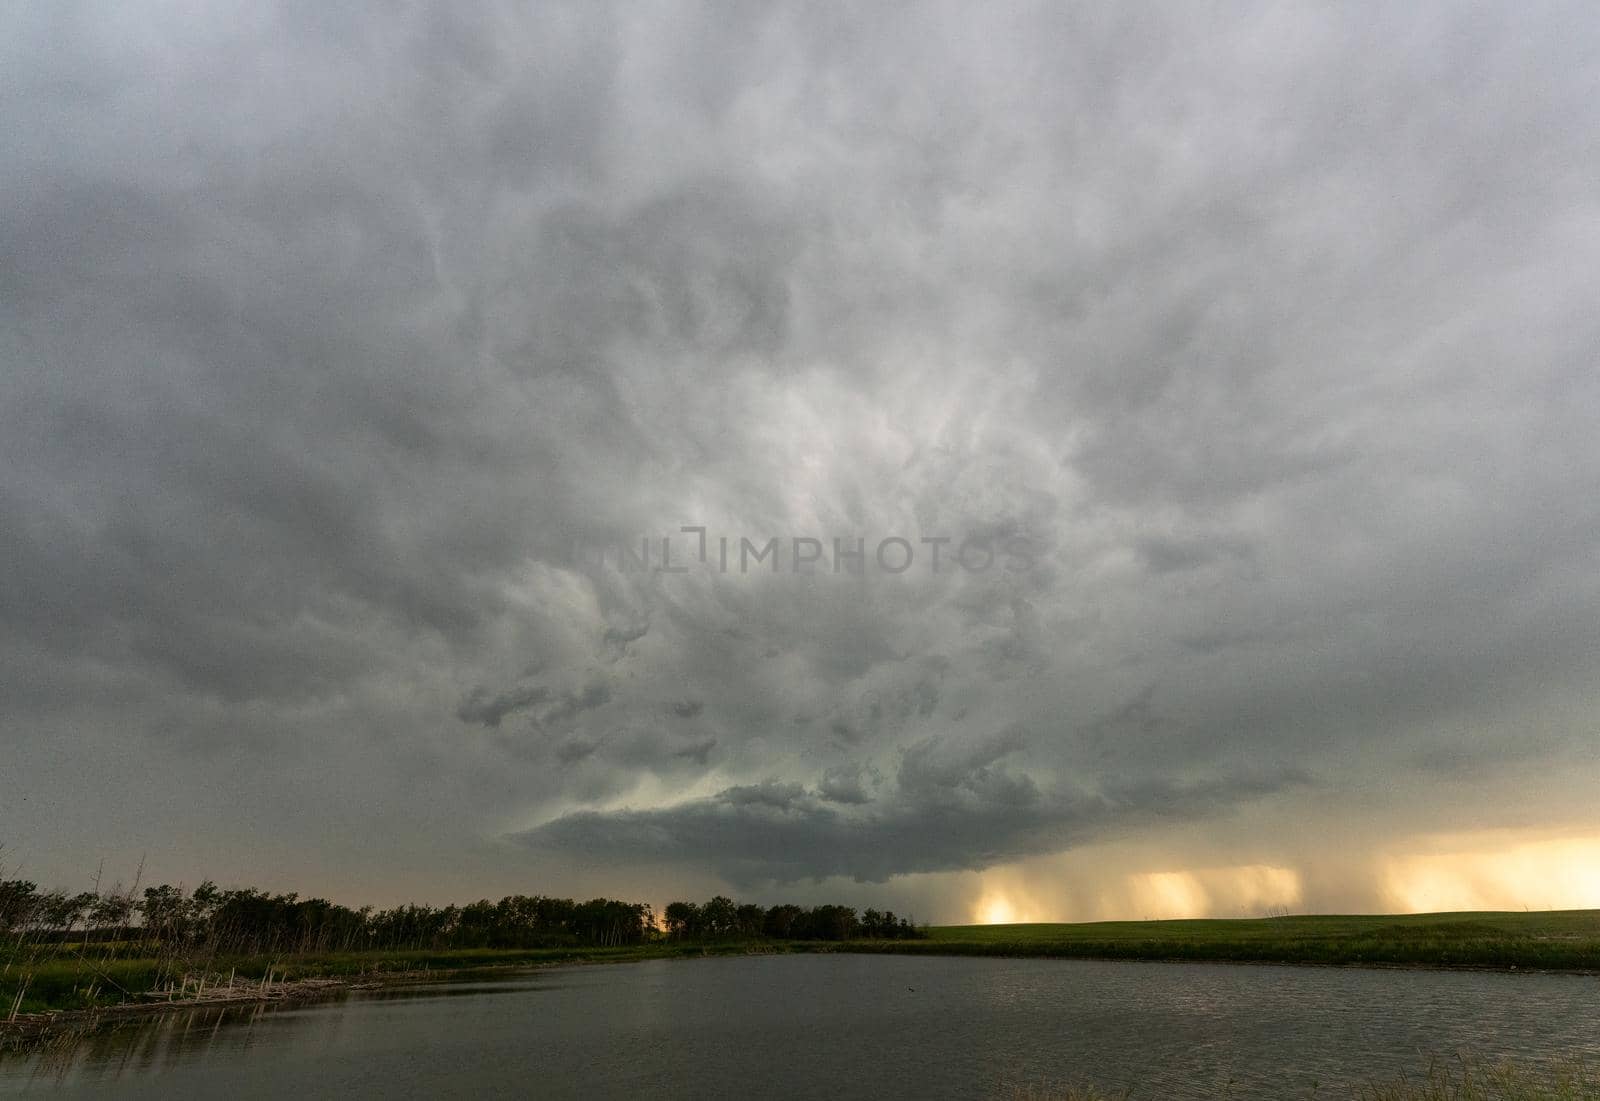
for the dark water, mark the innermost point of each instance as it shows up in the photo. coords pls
(842, 1026)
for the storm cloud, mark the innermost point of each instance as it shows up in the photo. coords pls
(952, 808)
(344, 351)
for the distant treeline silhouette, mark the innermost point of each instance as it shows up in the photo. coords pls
(722, 917)
(249, 921)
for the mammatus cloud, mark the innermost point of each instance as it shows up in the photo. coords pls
(332, 344)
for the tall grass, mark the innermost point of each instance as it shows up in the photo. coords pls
(1468, 1079)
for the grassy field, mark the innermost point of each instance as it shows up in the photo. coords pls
(1556, 940)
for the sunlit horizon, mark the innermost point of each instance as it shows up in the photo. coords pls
(1449, 875)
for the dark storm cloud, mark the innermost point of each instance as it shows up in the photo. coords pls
(482, 707)
(847, 784)
(547, 708)
(950, 808)
(334, 342)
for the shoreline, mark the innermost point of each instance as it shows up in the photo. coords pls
(29, 1029)
(42, 1024)
(1232, 961)
(1055, 952)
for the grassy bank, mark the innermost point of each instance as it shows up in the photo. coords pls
(69, 984)
(1564, 940)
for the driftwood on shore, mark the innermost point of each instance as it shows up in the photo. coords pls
(206, 992)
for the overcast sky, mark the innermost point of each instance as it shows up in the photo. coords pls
(341, 350)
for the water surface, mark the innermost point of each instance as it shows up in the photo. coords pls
(841, 1026)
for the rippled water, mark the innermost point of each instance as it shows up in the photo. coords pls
(842, 1026)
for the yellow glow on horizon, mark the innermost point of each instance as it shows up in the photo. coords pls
(1169, 895)
(1258, 888)
(1420, 873)
(996, 910)
(1551, 874)
(1238, 891)
(1071, 889)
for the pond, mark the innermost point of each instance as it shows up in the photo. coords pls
(841, 1026)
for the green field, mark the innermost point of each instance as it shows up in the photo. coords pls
(1557, 940)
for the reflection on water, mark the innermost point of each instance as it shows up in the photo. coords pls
(840, 1026)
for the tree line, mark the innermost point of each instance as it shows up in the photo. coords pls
(723, 918)
(249, 921)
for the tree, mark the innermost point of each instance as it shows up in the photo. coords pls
(17, 900)
(749, 920)
(683, 919)
(782, 920)
(720, 916)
